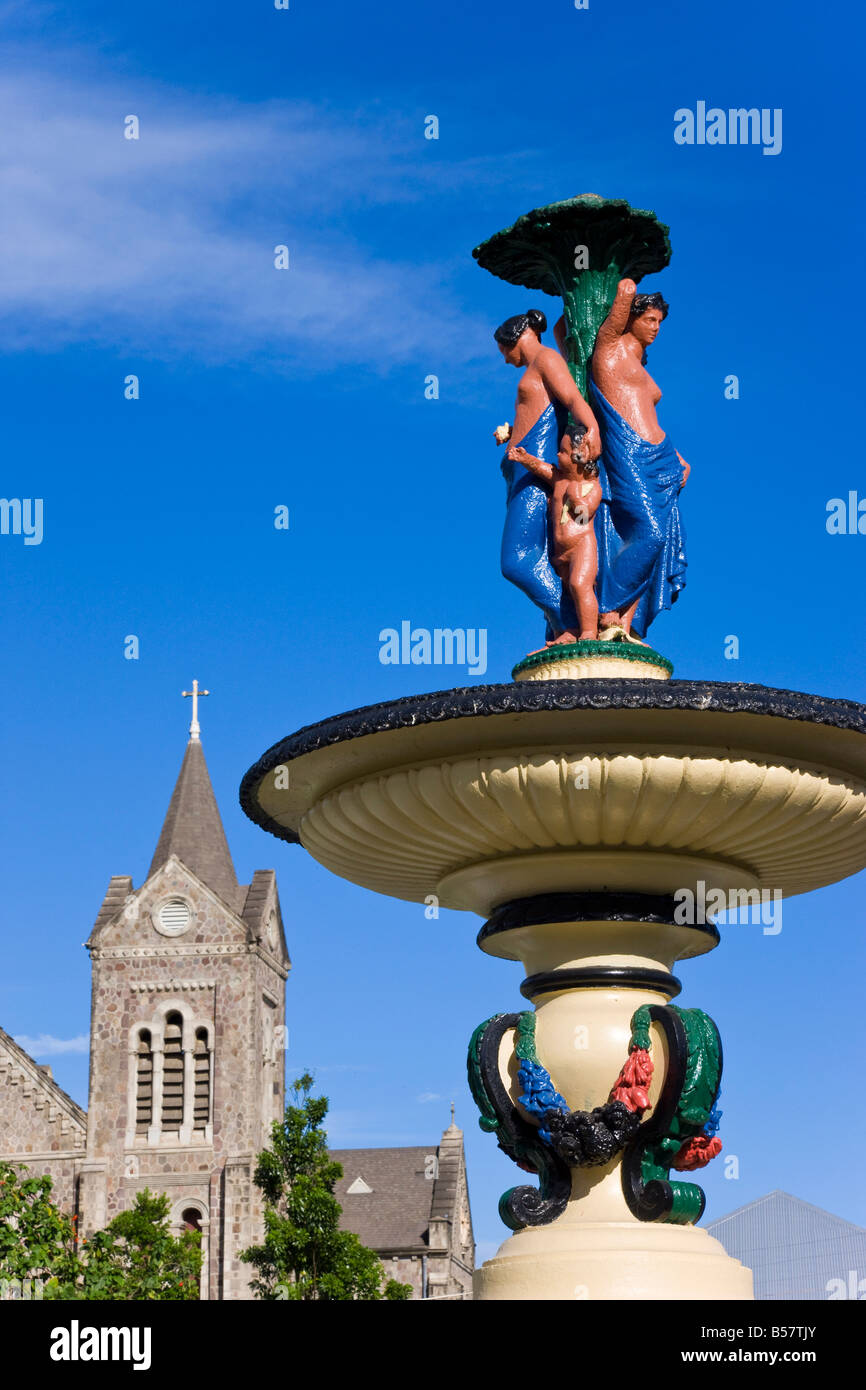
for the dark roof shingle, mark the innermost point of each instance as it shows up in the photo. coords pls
(193, 830)
(395, 1215)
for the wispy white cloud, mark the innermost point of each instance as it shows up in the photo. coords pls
(343, 1067)
(426, 1097)
(164, 246)
(47, 1046)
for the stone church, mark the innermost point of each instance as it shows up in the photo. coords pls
(411, 1206)
(187, 1058)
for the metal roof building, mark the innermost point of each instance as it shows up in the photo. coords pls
(794, 1249)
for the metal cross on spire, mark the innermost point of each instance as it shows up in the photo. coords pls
(195, 727)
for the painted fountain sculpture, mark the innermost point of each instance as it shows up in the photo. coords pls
(576, 808)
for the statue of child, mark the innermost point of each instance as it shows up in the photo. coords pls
(574, 497)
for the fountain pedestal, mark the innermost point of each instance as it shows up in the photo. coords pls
(578, 818)
(591, 960)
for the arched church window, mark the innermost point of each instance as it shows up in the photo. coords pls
(201, 1072)
(172, 1074)
(191, 1219)
(144, 1083)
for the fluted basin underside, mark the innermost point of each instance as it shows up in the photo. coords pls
(601, 785)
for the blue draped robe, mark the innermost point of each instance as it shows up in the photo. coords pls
(526, 538)
(641, 539)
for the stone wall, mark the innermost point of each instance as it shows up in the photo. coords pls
(40, 1125)
(216, 978)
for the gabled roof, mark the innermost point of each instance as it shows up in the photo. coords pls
(395, 1214)
(390, 1197)
(193, 830)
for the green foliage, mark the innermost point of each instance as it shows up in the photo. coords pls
(37, 1241)
(135, 1258)
(305, 1255)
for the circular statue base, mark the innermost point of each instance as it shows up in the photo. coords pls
(589, 660)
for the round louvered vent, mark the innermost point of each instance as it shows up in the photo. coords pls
(173, 917)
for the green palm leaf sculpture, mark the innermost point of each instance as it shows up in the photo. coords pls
(579, 249)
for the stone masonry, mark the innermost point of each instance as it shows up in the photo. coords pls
(187, 1044)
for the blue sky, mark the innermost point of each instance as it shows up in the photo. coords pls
(305, 388)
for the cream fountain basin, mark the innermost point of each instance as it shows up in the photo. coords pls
(488, 794)
(570, 813)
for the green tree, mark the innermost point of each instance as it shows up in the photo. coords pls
(137, 1259)
(305, 1255)
(37, 1241)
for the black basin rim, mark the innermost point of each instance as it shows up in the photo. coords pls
(534, 697)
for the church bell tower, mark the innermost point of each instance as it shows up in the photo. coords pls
(187, 1034)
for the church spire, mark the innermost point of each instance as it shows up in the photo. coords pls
(193, 830)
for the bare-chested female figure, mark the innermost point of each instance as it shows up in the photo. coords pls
(545, 396)
(642, 559)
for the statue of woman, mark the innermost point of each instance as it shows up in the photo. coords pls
(642, 561)
(545, 395)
